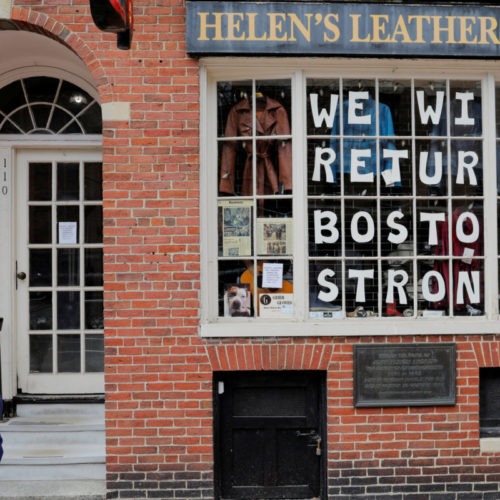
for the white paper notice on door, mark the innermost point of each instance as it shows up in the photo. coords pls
(67, 233)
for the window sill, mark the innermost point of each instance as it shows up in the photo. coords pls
(490, 445)
(244, 327)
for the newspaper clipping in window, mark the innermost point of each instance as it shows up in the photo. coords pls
(274, 236)
(236, 227)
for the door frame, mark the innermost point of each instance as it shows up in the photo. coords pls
(10, 146)
(218, 390)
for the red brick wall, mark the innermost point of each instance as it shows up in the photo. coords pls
(158, 370)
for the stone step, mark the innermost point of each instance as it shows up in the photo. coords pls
(53, 442)
(65, 409)
(53, 490)
(25, 432)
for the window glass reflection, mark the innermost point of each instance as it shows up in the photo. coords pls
(40, 267)
(94, 317)
(40, 310)
(68, 353)
(94, 353)
(93, 181)
(41, 354)
(68, 266)
(68, 310)
(93, 224)
(68, 181)
(40, 181)
(40, 224)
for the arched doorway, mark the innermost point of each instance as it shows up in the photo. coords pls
(50, 153)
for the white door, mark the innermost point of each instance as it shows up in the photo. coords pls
(59, 282)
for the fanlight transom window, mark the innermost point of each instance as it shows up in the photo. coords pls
(46, 105)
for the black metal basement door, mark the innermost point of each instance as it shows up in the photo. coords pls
(269, 435)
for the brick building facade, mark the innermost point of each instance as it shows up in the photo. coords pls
(172, 354)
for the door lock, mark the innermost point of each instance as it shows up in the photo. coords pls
(315, 439)
(318, 446)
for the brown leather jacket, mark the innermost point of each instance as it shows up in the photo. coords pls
(274, 156)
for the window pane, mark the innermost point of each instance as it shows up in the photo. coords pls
(325, 288)
(40, 310)
(40, 268)
(94, 317)
(42, 114)
(94, 353)
(68, 310)
(23, 119)
(40, 222)
(72, 97)
(489, 399)
(68, 218)
(68, 181)
(59, 120)
(41, 88)
(396, 95)
(68, 353)
(40, 183)
(93, 181)
(91, 119)
(41, 354)
(68, 267)
(93, 267)
(430, 108)
(12, 97)
(93, 224)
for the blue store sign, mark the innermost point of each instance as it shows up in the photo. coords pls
(320, 29)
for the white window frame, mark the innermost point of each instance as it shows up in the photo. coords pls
(297, 70)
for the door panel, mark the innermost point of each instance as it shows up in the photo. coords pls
(59, 272)
(269, 434)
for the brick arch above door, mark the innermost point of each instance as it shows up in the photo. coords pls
(266, 356)
(54, 40)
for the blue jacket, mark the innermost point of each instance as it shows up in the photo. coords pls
(363, 137)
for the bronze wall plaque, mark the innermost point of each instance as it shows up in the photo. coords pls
(404, 375)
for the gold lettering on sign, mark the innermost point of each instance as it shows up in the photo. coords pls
(466, 26)
(379, 28)
(419, 27)
(489, 28)
(331, 25)
(252, 36)
(305, 30)
(234, 27)
(355, 29)
(371, 28)
(401, 31)
(277, 33)
(205, 26)
(447, 29)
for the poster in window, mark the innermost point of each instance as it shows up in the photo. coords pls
(237, 300)
(275, 305)
(236, 227)
(274, 236)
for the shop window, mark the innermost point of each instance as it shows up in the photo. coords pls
(340, 199)
(489, 399)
